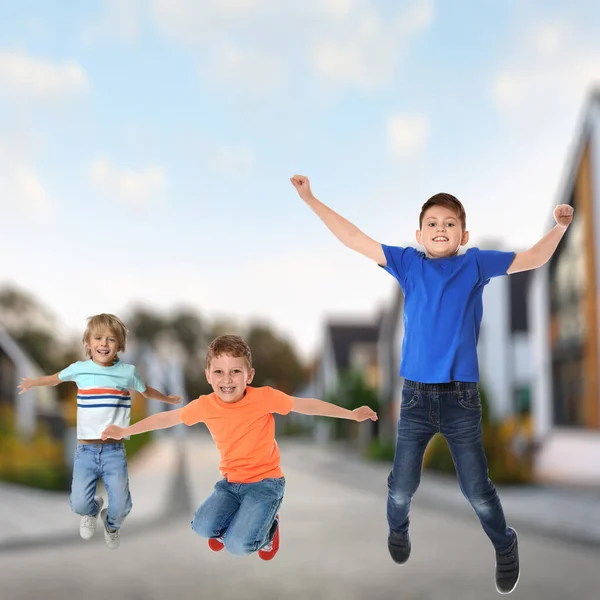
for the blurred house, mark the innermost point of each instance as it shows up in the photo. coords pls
(39, 406)
(347, 347)
(564, 315)
(504, 348)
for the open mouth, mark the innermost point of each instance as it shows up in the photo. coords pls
(103, 352)
(440, 238)
(228, 390)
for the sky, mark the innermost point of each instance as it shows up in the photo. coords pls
(146, 145)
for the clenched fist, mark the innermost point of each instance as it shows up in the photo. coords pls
(563, 215)
(302, 185)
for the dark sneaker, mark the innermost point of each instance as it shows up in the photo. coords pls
(399, 546)
(507, 567)
(268, 551)
(216, 544)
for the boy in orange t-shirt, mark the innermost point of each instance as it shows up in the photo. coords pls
(241, 513)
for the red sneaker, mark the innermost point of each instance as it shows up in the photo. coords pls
(216, 544)
(270, 550)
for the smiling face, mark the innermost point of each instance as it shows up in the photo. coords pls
(229, 376)
(441, 232)
(102, 347)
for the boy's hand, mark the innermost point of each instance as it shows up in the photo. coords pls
(563, 215)
(113, 432)
(302, 185)
(25, 385)
(363, 413)
(175, 399)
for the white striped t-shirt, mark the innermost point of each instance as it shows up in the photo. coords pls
(103, 396)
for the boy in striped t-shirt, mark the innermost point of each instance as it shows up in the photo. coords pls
(103, 399)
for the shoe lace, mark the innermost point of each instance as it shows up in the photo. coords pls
(88, 521)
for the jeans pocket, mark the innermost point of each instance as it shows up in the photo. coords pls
(410, 397)
(470, 399)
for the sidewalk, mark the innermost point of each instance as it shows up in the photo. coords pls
(39, 517)
(568, 514)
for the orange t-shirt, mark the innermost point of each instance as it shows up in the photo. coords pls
(244, 432)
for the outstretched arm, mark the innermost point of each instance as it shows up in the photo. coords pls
(27, 382)
(312, 406)
(162, 420)
(153, 394)
(350, 235)
(540, 253)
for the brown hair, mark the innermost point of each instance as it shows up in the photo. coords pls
(447, 201)
(231, 345)
(105, 321)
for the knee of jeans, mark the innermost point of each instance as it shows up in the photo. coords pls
(399, 491)
(80, 505)
(239, 546)
(204, 527)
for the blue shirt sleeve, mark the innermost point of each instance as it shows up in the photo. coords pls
(69, 373)
(136, 383)
(493, 263)
(398, 261)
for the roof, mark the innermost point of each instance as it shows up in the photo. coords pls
(344, 335)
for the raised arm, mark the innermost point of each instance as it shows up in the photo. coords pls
(312, 406)
(153, 394)
(161, 420)
(350, 235)
(540, 253)
(48, 380)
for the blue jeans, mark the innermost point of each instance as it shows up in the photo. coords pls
(109, 463)
(243, 514)
(454, 410)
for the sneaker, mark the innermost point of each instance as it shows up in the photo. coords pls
(111, 538)
(507, 567)
(87, 524)
(399, 546)
(216, 544)
(269, 550)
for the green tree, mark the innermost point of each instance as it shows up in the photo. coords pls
(275, 360)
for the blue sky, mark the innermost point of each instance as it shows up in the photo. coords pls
(146, 145)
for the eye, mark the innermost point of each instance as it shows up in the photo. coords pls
(450, 224)
(236, 371)
(431, 224)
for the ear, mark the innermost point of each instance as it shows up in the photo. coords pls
(465, 239)
(207, 375)
(250, 377)
(419, 237)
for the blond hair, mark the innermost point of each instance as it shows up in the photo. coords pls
(102, 322)
(231, 345)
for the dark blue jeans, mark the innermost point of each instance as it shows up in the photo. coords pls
(454, 410)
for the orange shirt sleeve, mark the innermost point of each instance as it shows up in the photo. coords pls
(194, 412)
(279, 402)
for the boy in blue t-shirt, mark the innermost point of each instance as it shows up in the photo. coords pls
(103, 399)
(442, 315)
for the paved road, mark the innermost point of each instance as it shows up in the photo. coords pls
(333, 548)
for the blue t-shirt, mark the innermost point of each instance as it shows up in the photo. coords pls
(103, 396)
(442, 310)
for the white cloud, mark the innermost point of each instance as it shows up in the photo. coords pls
(364, 49)
(138, 188)
(40, 78)
(118, 18)
(258, 44)
(553, 66)
(21, 190)
(407, 134)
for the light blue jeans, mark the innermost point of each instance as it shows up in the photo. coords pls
(243, 514)
(109, 463)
